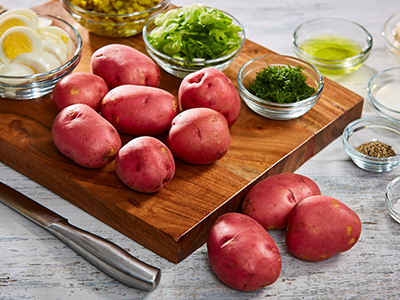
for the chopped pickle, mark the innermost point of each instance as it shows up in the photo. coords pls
(115, 7)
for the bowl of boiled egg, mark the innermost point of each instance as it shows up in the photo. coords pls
(36, 51)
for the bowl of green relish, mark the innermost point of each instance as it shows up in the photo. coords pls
(114, 18)
(186, 39)
(334, 46)
(279, 87)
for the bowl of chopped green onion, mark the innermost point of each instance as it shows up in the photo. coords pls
(114, 18)
(186, 39)
(279, 87)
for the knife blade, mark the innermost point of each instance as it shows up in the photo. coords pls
(105, 255)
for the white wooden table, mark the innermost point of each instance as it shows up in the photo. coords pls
(36, 265)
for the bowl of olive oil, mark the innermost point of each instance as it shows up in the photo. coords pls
(334, 46)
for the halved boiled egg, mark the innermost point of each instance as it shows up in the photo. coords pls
(34, 61)
(17, 40)
(15, 20)
(15, 69)
(55, 49)
(33, 17)
(62, 35)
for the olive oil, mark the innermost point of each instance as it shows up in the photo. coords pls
(331, 47)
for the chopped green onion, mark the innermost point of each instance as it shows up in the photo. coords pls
(195, 32)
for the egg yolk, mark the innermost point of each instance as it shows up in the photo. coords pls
(10, 23)
(15, 44)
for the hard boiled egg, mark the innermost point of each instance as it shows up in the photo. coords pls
(14, 69)
(34, 61)
(17, 40)
(33, 17)
(56, 50)
(15, 20)
(62, 35)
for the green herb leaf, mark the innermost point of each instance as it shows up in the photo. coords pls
(281, 84)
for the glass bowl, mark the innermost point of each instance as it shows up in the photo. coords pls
(392, 199)
(38, 85)
(181, 68)
(113, 25)
(334, 46)
(383, 93)
(273, 110)
(392, 44)
(372, 129)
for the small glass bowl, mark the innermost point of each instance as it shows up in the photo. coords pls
(38, 85)
(389, 40)
(113, 26)
(392, 199)
(181, 68)
(273, 110)
(383, 93)
(372, 129)
(333, 28)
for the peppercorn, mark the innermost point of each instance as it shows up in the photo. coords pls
(376, 149)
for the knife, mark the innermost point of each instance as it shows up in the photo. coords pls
(105, 255)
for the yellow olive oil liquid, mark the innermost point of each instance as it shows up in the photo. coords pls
(332, 47)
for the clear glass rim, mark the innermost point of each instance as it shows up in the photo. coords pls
(387, 43)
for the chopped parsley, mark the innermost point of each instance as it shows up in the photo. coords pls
(281, 84)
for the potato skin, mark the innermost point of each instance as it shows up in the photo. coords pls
(139, 110)
(82, 135)
(210, 88)
(320, 227)
(199, 136)
(79, 87)
(242, 253)
(270, 201)
(145, 164)
(120, 64)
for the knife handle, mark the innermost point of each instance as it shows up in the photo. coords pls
(107, 256)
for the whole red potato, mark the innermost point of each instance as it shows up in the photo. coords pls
(79, 87)
(199, 136)
(320, 227)
(120, 64)
(145, 164)
(210, 88)
(270, 201)
(242, 253)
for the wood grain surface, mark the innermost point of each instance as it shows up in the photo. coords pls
(174, 221)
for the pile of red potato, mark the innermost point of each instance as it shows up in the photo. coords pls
(121, 95)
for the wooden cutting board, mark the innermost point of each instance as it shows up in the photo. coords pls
(175, 221)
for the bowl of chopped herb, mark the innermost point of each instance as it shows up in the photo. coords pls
(186, 39)
(373, 143)
(114, 18)
(334, 46)
(279, 87)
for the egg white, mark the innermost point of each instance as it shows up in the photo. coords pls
(34, 61)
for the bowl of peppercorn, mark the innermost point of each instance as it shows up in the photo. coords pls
(279, 87)
(373, 143)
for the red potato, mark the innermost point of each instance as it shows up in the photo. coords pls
(320, 227)
(145, 164)
(270, 201)
(120, 64)
(242, 253)
(199, 136)
(139, 110)
(210, 88)
(82, 135)
(79, 87)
